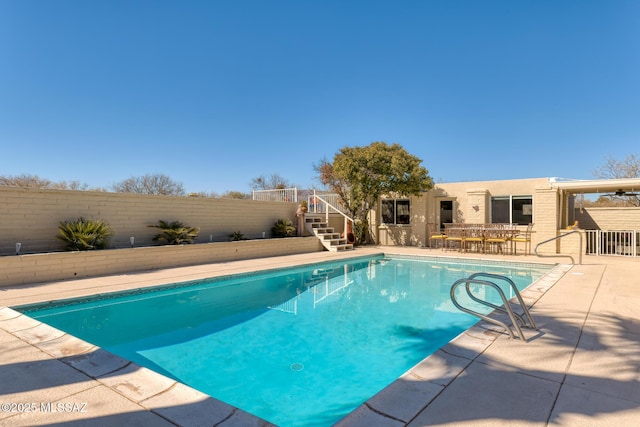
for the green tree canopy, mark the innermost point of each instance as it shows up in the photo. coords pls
(361, 175)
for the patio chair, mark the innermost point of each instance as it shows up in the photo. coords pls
(495, 237)
(474, 236)
(455, 234)
(523, 237)
(435, 234)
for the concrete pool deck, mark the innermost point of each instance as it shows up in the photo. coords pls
(582, 368)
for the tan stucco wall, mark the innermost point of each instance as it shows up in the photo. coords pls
(43, 267)
(553, 213)
(31, 216)
(472, 199)
(471, 204)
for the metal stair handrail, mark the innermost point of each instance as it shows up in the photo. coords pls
(535, 250)
(333, 208)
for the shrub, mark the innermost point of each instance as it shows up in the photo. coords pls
(236, 235)
(84, 234)
(175, 233)
(283, 228)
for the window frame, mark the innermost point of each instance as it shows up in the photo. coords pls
(515, 216)
(391, 215)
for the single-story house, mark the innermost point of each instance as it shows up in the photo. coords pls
(547, 203)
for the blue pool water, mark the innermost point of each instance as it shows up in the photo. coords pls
(298, 347)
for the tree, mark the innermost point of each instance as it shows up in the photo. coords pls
(150, 184)
(34, 181)
(618, 169)
(615, 169)
(272, 182)
(361, 175)
(236, 195)
(203, 194)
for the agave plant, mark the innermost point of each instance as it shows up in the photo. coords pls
(84, 234)
(236, 235)
(175, 233)
(283, 228)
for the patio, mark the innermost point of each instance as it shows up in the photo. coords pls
(580, 369)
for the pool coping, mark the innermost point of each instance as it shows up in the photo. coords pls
(165, 397)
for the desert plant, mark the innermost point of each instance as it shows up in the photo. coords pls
(283, 228)
(83, 234)
(236, 235)
(175, 233)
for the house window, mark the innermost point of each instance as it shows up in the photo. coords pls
(395, 211)
(512, 210)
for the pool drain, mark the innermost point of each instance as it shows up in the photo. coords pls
(296, 366)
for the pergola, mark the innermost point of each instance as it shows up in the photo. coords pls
(577, 186)
(571, 187)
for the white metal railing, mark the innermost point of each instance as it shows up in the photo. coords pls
(279, 195)
(318, 202)
(613, 242)
(332, 285)
(290, 306)
(328, 208)
(293, 195)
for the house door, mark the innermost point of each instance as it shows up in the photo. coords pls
(446, 212)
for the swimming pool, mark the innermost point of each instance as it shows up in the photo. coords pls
(296, 346)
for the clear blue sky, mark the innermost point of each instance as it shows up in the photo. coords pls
(214, 93)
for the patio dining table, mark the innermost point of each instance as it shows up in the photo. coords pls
(481, 235)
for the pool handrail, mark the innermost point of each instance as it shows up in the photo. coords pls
(535, 250)
(516, 292)
(516, 319)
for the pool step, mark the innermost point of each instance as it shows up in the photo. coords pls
(331, 240)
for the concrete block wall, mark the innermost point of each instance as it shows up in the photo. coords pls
(44, 267)
(570, 245)
(593, 218)
(546, 206)
(32, 216)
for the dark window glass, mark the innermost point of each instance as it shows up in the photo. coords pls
(388, 211)
(500, 210)
(395, 211)
(402, 211)
(522, 211)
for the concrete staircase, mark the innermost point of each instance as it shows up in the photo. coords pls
(330, 239)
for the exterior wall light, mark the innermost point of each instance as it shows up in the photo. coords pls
(132, 240)
(18, 246)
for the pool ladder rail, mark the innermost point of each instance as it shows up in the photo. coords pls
(480, 279)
